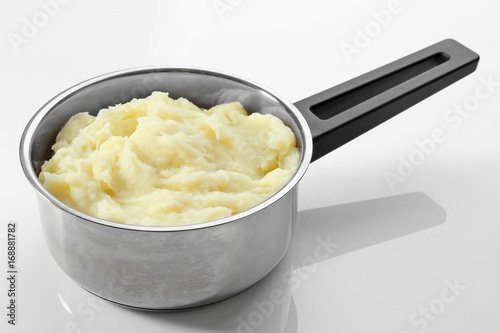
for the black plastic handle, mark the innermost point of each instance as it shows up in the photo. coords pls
(344, 112)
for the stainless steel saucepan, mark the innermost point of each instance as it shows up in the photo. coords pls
(172, 268)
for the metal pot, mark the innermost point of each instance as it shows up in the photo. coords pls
(171, 268)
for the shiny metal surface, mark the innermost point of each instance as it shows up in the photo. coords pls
(169, 269)
(164, 268)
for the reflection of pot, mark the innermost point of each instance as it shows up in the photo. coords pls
(168, 268)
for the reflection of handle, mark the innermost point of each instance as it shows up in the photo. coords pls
(344, 112)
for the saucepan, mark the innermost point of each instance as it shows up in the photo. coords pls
(174, 268)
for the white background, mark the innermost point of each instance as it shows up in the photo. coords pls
(397, 249)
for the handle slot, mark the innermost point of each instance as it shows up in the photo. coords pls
(349, 99)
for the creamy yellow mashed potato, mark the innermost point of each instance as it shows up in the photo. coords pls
(164, 162)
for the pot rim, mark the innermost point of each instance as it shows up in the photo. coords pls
(25, 147)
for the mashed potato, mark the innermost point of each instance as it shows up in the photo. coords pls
(164, 162)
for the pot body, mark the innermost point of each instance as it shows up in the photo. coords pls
(164, 268)
(168, 270)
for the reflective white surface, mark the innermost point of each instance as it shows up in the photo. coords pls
(419, 256)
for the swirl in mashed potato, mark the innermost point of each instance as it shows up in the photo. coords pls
(163, 162)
